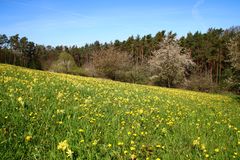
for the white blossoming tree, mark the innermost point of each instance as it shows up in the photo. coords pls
(170, 64)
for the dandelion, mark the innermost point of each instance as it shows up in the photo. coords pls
(69, 153)
(164, 130)
(120, 143)
(82, 141)
(28, 138)
(59, 95)
(63, 145)
(216, 150)
(196, 141)
(133, 156)
(206, 155)
(170, 123)
(20, 100)
(158, 146)
(125, 152)
(109, 145)
(94, 142)
(60, 111)
(135, 134)
(140, 111)
(203, 147)
(60, 122)
(132, 148)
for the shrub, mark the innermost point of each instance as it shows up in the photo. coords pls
(66, 64)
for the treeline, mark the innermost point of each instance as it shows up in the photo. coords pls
(199, 61)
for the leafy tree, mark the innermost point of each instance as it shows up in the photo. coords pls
(65, 64)
(111, 63)
(234, 55)
(23, 45)
(3, 41)
(15, 46)
(4, 52)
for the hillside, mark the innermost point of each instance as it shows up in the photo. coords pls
(46, 115)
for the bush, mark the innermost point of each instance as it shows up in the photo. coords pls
(112, 64)
(138, 74)
(201, 82)
(66, 64)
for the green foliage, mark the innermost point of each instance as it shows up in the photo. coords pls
(111, 63)
(65, 64)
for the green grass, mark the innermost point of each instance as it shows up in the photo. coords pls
(103, 119)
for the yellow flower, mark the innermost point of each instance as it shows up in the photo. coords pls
(140, 111)
(158, 146)
(109, 145)
(28, 138)
(206, 155)
(20, 100)
(60, 111)
(133, 156)
(203, 147)
(132, 148)
(82, 141)
(216, 150)
(69, 153)
(158, 159)
(120, 143)
(60, 122)
(196, 141)
(125, 152)
(95, 142)
(81, 130)
(63, 145)
(164, 130)
(135, 134)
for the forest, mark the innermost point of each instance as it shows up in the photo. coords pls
(208, 62)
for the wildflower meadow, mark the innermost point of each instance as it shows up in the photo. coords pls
(45, 115)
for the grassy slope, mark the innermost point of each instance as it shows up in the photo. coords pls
(102, 119)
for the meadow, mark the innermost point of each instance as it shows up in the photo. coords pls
(46, 115)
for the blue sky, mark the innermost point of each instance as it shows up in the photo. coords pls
(76, 22)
